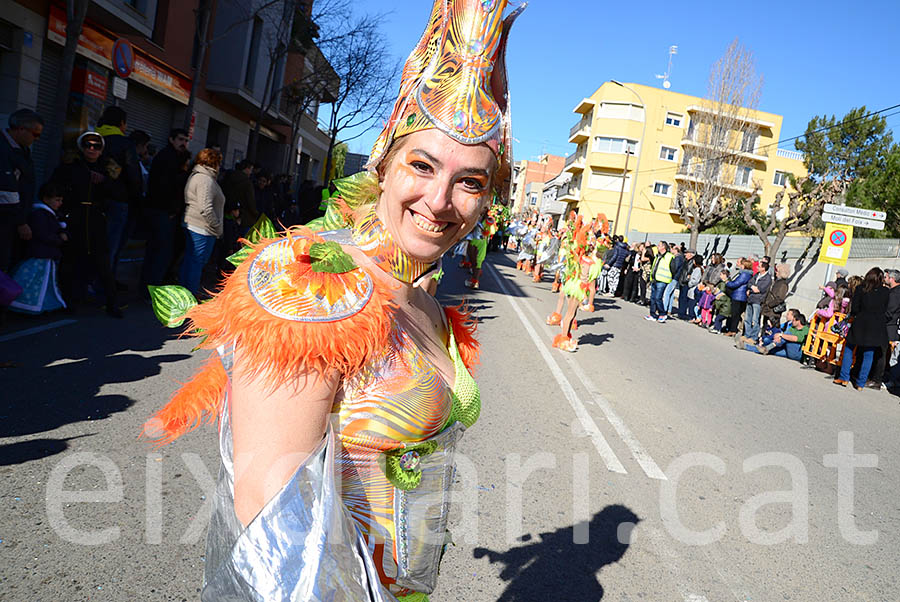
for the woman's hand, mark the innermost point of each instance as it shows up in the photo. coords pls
(274, 431)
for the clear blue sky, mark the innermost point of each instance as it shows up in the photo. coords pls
(816, 57)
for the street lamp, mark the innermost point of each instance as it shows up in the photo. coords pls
(638, 168)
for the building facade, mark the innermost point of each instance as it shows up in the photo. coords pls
(162, 33)
(635, 145)
(528, 180)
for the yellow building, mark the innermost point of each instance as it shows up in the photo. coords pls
(656, 132)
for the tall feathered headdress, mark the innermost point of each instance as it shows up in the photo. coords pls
(455, 80)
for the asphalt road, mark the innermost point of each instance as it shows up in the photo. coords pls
(657, 463)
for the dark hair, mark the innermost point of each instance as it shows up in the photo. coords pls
(139, 137)
(24, 118)
(114, 116)
(698, 261)
(49, 190)
(178, 132)
(874, 279)
(798, 315)
(242, 165)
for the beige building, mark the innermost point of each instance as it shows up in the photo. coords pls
(528, 181)
(635, 145)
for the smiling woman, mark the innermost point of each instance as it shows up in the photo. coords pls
(341, 385)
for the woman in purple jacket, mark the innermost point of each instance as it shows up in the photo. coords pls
(737, 290)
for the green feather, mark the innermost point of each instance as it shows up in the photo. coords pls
(263, 228)
(171, 304)
(330, 257)
(238, 258)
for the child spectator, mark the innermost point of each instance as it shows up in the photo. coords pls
(707, 298)
(37, 274)
(722, 303)
(834, 299)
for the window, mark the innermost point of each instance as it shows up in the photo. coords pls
(620, 110)
(674, 119)
(534, 198)
(662, 188)
(608, 180)
(667, 153)
(742, 176)
(603, 144)
(690, 132)
(781, 178)
(748, 143)
(253, 56)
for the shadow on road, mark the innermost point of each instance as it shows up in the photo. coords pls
(33, 449)
(61, 375)
(595, 339)
(556, 568)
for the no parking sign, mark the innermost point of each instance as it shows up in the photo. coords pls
(836, 244)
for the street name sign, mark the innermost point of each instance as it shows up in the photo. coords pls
(859, 222)
(854, 212)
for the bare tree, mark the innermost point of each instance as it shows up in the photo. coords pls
(716, 169)
(76, 10)
(800, 213)
(368, 78)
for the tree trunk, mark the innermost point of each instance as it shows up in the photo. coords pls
(76, 10)
(772, 249)
(203, 14)
(264, 106)
(332, 139)
(695, 236)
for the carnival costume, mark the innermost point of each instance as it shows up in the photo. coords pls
(364, 517)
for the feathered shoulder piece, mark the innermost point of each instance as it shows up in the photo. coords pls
(463, 326)
(294, 301)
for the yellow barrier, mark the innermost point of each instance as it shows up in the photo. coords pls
(821, 342)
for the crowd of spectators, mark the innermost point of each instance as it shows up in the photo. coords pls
(61, 244)
(747, 300)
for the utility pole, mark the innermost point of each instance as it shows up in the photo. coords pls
(622, 190)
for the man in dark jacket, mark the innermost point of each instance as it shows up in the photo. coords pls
(619, 252)
(164, 206)
(124, 172)
(238, 189)
(892, 320)
(678, 264)
(684, 276)
(757, 288)
(17, 185)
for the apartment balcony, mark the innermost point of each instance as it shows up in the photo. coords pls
(789, 154)
(575, 163)
(585, 106)
(580, 132)
(569, 194)
(694, 176)
(740, 116)
(759, 155)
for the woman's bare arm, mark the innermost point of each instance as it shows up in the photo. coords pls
(274, 431)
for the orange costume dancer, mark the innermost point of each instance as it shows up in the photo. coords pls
(341, 387)
(575, 288)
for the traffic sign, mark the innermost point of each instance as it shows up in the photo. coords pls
(123, 58)
(854, 212)
(836, 244)
(846, 220)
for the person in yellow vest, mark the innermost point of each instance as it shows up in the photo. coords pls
(660, 277)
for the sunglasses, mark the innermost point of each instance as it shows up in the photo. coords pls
(92, 145)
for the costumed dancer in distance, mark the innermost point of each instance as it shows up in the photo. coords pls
(566, 241)
(575, 288)
(599, 230)
(341, 386)
(547, 251)
(477, 250)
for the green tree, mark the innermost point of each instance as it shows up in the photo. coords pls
(338, 158)
(848, 149)
(881, 191)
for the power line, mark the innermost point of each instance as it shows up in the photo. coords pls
(730, 154)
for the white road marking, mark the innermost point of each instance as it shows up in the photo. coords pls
(651, 469)
(584, 417)
(35, 330)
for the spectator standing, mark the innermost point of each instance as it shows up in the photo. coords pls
(773, 304)
(204, 214)
(238, 189)
(37, 275)
(164, 207)
(616, 263)
(892, 318)
(17, 186)
(123, 173)
(867, 331)
(841, 279)
(737, 290)
(263, 194)
(678, 263)
(86, 188)
(660, 277)
(632, 272)
(757, 288)
(685, 306)
(716, 265)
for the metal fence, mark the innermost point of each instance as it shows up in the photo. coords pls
(793, 247)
